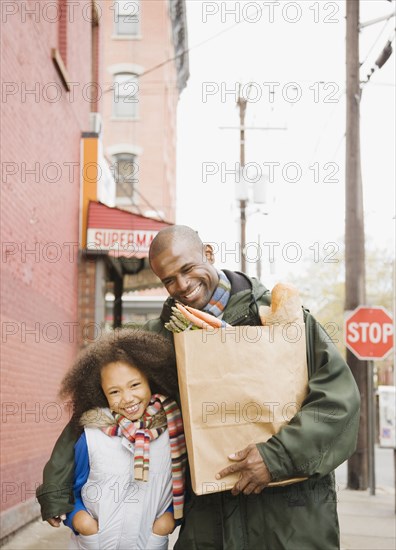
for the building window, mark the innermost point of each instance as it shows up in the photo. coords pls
(127, 17)
(125, 175)
(125, 95)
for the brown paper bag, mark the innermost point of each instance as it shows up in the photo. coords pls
(238, 385)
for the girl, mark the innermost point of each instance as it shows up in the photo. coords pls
(130, 459)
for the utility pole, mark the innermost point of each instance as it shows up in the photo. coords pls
(355, 292)
(242, 203)
(242, 103)
(258, 261)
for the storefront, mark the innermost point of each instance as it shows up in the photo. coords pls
(114, 245)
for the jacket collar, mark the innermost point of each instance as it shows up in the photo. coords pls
(97, 418)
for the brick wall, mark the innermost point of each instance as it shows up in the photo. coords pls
(64, 19)
(88, 332)
(39, 224)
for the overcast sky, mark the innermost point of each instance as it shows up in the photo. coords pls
(299, 47)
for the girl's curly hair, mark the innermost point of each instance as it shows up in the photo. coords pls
(151, 353)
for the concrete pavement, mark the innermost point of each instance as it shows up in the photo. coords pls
(39, 535)
(366, 522)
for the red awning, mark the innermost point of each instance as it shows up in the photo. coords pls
(120, 232)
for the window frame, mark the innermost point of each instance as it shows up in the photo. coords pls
(119, 98)
(125, 199)
(121, 14)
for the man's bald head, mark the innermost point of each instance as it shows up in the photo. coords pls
(185, 265)
(172, 234)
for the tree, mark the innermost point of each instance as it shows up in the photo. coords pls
(322, 288)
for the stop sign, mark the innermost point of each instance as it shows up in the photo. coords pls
(369, 332)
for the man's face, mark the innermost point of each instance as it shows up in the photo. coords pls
(187, 273)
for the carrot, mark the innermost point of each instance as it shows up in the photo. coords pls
(191, 317)
(207, 317)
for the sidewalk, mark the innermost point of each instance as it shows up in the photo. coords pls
(366, 523)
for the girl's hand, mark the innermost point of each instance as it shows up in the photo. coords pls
(84, 523)
(56, 520)
(164, 525)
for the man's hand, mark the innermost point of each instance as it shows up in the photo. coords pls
(56, 520)
(254, 474)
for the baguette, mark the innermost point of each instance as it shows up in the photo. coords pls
(286, 305)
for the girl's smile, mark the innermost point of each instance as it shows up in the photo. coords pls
(126, 389)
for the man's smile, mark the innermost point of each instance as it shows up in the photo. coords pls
(194, 292)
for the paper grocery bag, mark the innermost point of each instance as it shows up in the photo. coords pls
(238, 385)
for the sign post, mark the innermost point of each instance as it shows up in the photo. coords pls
(371, 425)
(369, 336)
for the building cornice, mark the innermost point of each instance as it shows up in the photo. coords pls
(125, 68)
(178, 16)
(119, 148)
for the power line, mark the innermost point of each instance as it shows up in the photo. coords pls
(187, 50)
(161, 217)
(381, 59)
(124, 187)
(338, 146)
(330, 117)
(374, 43)
(386, 52)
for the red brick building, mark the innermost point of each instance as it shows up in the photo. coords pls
(54, 82)
(49, 54)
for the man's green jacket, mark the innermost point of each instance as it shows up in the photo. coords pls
(319, 438)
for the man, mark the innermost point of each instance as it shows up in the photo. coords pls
(252, 516)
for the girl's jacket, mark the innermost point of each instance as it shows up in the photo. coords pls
(105, 487)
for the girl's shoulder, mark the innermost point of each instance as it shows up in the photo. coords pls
(97, 418)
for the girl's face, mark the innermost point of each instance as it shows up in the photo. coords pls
(126, 389)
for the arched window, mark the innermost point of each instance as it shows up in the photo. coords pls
(126, 89)
(125, 174)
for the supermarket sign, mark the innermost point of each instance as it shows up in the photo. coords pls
(133, 240)
(120, 233)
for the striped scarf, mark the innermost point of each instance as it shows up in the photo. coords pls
(149, 427)
(220, 296)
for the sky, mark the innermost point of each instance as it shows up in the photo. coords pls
(293, 56)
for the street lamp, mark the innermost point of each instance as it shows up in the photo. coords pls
(259, 188)
(242, 186)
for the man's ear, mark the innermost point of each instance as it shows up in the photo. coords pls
(209, 254)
